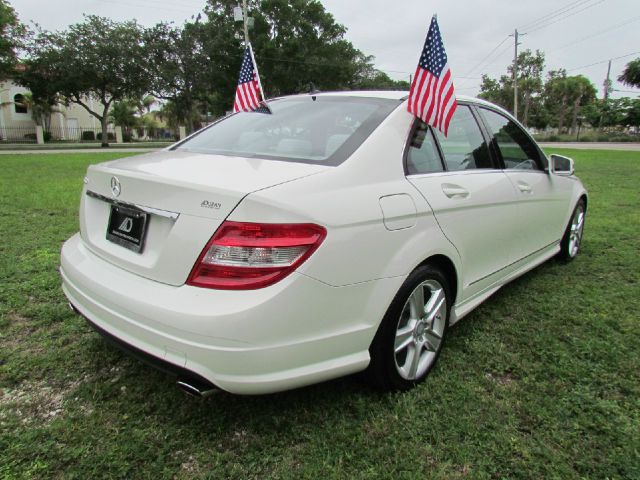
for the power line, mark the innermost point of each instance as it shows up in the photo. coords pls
(600, 32)
(566, 8)
(602, 61)
(147, 6)
(565, 17)
(487, 56)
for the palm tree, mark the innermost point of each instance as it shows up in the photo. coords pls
(631, 74)
(123, 114)
(41, 110)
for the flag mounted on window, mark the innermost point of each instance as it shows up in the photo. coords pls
(432, 97)
(249, 95)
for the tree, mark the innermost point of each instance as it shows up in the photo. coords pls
(123, 113)
(632, 117)
(556, 97)
(582, 92)
(606, 113)
(98, 59)
(565, 97)
(378, 80)
(146, 103)
(298, 43)
(41, 109)
(12, 34)
(498, 91)
(631, 74)
(530, 67)
(182, 71)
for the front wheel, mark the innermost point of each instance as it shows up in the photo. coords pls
(570, 244)
(411, 334)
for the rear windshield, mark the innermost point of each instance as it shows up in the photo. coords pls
(307, 129)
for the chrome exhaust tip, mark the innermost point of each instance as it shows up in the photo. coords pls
(195, 390)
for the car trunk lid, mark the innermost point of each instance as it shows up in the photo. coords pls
(183, 196)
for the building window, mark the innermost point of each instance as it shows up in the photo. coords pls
(19, 105)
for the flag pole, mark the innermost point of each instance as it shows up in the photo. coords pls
(255, 66)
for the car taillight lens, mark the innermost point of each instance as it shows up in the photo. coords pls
(246, 256)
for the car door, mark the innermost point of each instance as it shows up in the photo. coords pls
(541, 197)
(472, 199)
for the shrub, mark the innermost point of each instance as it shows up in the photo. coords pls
(110, 136)
(88, 135)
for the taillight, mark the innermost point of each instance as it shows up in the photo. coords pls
(246, 256)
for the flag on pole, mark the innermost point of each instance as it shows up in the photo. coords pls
(249, 95)
(432, 97)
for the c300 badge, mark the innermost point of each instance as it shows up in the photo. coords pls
(211, 204)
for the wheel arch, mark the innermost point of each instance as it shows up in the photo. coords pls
(584, 197)
(448, 268)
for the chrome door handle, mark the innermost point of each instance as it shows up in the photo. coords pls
(454, 191)
(524, 187)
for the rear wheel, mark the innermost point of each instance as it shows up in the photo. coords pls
(570, 244)
(410, 337)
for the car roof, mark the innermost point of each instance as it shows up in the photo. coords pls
(390, 94)
(397, 95)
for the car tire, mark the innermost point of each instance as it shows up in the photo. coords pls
(411, 334)
(570, 243)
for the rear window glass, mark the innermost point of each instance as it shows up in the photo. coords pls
(308, 129)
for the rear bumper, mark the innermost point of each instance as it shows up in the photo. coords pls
(296, 332)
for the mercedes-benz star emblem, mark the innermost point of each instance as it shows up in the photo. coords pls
(115, 186)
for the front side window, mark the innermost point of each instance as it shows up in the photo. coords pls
(422, 155)
(516, 148)
(464, 148)
(306, 129)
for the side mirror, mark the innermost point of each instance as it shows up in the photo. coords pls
(561, 165)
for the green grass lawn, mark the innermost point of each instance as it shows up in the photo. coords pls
(542, 381)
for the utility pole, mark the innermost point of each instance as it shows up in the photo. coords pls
(515, 72)
(607, 83)
(245, 20)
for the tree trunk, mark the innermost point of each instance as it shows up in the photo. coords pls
(527, 105)
(562, 113)
(574, 118)
(104, 121)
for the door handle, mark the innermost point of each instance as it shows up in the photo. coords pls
(524, 187)
(451, 190)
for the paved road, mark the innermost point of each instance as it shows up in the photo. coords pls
(635, 147)
(80, 150)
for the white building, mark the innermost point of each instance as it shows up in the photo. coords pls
(17, 124)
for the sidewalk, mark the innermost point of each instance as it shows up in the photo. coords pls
(34, 151)
(90, 147)
(630, 146)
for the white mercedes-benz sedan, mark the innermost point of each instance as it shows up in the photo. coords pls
(335, 234)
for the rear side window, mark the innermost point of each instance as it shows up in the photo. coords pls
(306, 129)
(464, 148)
(516, 148)
(423, 156)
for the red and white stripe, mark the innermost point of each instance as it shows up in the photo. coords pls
(248, 96)
(432, 98)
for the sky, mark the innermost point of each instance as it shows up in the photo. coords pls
(579, 35)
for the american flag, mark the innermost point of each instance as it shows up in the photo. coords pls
(432, 97)
(249, 91)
